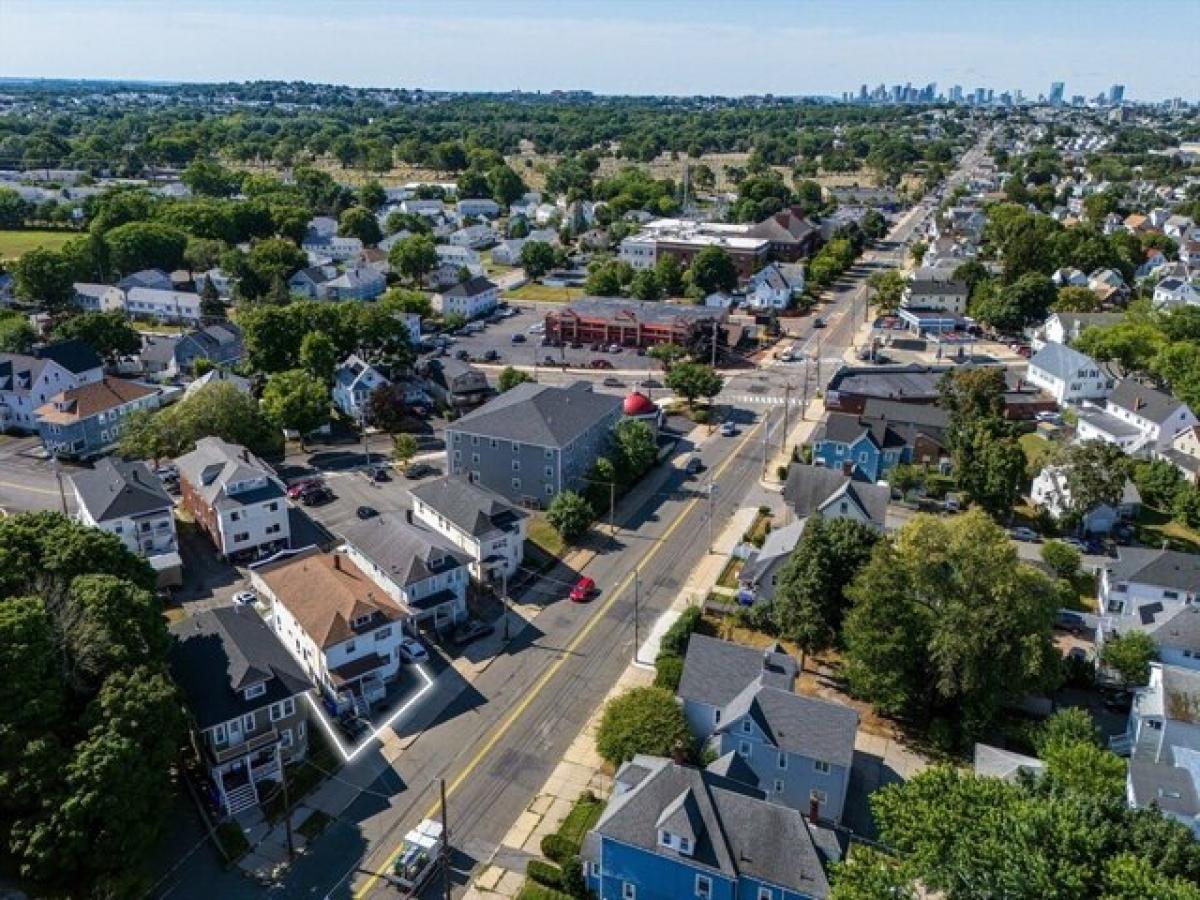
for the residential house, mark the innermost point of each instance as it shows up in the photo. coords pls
(886, 434)
(1155, 261)
(222, 281)
(936, 294)
(332, 246)
(533, 441)
(477, 208)
(791, 234)
(28, 380)
(341, 627)
(235, 498)
(456, 256)
(311, 283)
(1069, 277)
(1178, 227)
(454, 383)
(172, 306)
(429, 208)
(1136, 223)
(247, 698)
(833, 494)
(148, 279)
(217, 376)
(1065, 328)
(1175, 292)
(1184, 452)
(1068, 375)
(1144, 590)
(671, 830)
(476, 520)
(128, 500)
(419, 569)
(1136, 417)
(473, 298)
(1051, 491)
(476, 237)
(98, 297)
(353, 383)
(1109, 286)
(759, 574)
(508, 253)
(355, 283)
(1189, 252)
(375, 258)
(742, 700)
(84, 421)
(220, 344)
(1162, 738)
(775, 286)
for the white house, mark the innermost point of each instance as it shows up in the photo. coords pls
(1069, 277)
(342, 627)
(333, 246)
(99, 297)
(427, 208)
(1068, 375)
(1065, 328)
(1173, 292)
(356, 283)
(353, 383)
(450, 254)
(477, 207)
(475, 237)
(1178, 227)
(508, 253)
(475, 297)
(28, 381)
(1051, 491)
(936, 293)
(1136, 417)
(163, 306)
(775, 286)
(480, 522)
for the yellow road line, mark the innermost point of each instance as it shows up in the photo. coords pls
(28, 488)
(566, 654)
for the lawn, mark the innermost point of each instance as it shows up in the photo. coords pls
(1037, 451)
(729, 575)
(541, 293)
(15, 243)
(545, 537)
(1154, 527)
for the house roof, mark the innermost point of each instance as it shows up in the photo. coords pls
(1061, 361)
(778, 546)
(1143, 400)
(74, 355)
(1071, 321)
(612, 309)
(994, 762)
(116, 489)
(540, 414)
(806, 726)
(217, 653)
(1180, 631)
(218, 376)
(1162, 783)
(326, 592)
(408, 552)
(1168, 569)
(810, 488)
(738, 833)
(215, 463)
(85, 401)
(716, 671)
(471, 507)
(472, 287)
(939, 286)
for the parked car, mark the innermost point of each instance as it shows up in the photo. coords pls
(651, 383)
(316, 496)
(1021, 533)
(517, 338)
(693, 466)
(492, 355)
(614, 348)
(1073, 622)
(462, 355)
(471, 631)
(728, 429)
(412, 651)
(595, 347)
(818, 322)
(366, 512)
(244, 598)
(1052, 417)
(600, 364)
(297, 488)
(576, 345)
(419, 470)
(549, 360)
(380, 473)
(612, 381)
(1078, 654)
(583, 590)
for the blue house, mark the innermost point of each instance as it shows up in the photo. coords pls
(797, 750)
(884, 435)
(672, 831)
(84, 421)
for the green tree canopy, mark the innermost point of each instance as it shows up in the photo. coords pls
(44, 277)
(570, 515)
(712, 270)
(414, 257)
(108, 333)
(692, 381)
(296, 400)
(642, 720)
(510, 378)
(537, 257)
(216, 409)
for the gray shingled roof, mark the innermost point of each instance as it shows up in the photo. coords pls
(116, 489)
(1061, 361)
(613, 308)
(471, 507)
(215, 463)
(1161, 783)
(1165, 568)
(1181, 631)
(740, 833)
(472, 287)
(540, 414)
(808, 488)
(1143, 400)
(806, 726)
(716, 671)
(218, 652)
(407, 551)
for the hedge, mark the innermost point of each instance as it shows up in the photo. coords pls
(534, 891)
(558, 848)
(544, 873)
(668, 669)
(675, 639)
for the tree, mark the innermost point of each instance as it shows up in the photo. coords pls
(643, 720)
(713, 270)
(1096, 474)
(108, 333)
(603, 279)
(917, 251)
(903, 478)
(1129, 655)
(211, 304)
(1069, 725)
(406, 301)
(973, 272)
(645, 286)
(1134, 344)
(295, 400)
(1157, 481)
(209, 178)
(888, 286)
(668, 354)
(670, 275)
(510, 378)
(570, 515)
(318, 356)
(216, 409)
(989, 465)
(810, 598)
(998, 310)
(868, 874)
(692, 380)
(16, 334)
(505, 185)
(43, 277)
(1075, 298)
(371, 195)
(13, 209)
(1178, 364)
(145, 245)
(1186, 507)
(404, 448)
(537, 258)
(1031, 295)
(947, 623)
(1063, 559)
(635, 449)
(415, 257)
(360, 222)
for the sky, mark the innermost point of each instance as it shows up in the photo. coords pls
(685, 47)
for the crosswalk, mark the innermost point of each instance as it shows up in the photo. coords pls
(759, 399)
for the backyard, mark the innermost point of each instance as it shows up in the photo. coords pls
(15, 243)
(542, 293)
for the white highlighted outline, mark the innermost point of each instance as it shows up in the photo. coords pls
(331, 730)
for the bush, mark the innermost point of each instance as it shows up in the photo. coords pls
(1062, 558)
(545, 873)
(573, 881)
(534, 891)
(232, 839)
(675, 640)
(781, 472)
(668, 669)
(558, 848)
(643, 720)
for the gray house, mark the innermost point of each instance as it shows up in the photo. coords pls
(533, 441)
(741, 700)
(760, 572)
(87, 420)
(455, 383)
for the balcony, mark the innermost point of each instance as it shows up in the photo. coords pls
(233, 751)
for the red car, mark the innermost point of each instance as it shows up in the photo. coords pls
(601, 364)
(583, 590)
(296, 488)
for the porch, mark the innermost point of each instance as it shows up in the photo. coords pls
(237, 780)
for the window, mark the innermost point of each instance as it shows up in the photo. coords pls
(474, 440)
(628, 891)
(457, 438)
(549, 489)
(300, 730)
(383, 633)
(248, 722)
(516, 483)
(716, 717)
(285, 738)
(360, 621)
(516, 465)
(220, 736)
(778, 786)
(820, 765)
(549, 453)
(747, 728)
(765, 893)
(273, 529)
(235, 516)
(703, 886)
(782, 761)
(350, 647)
(744, 748)
(474, 459)
(241, 537)
(1171, 595)
(457, 455)
(283, 709)
(255, 690)
(549, 472)
(595, 869)
(273, 506)
(516, 448)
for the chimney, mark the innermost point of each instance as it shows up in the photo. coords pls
(678, 753)
(814, 810)
(337, 561)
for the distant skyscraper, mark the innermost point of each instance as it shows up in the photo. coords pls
(1116, 95)
(1057, 88)
(862, 92)
(956, 94)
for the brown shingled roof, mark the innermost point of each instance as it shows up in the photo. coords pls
(325, 592)
(78, 403)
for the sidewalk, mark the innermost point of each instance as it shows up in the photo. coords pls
(581, 768)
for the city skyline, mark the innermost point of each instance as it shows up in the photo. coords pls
(652, 47)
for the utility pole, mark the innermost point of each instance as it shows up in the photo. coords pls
(612, 505)
(712, 489)
(714, 346)
(445, 852)
(637, 589)
(62, 494)
(766, 436)
(287, 815)
(504, 601)
(804, 399)
(787, 406)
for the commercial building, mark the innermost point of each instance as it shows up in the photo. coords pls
(630, 323)
(684, 239)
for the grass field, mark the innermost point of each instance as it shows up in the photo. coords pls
(542, 534)
(14, 243)
(540, 293)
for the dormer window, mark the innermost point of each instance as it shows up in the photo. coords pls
(747, 728)
(254, 690)
(361, 621)
(665, 839)
(685, 846)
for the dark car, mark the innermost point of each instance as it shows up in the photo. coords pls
(549, 361)
(366, 512)
(380, 474)
(595, 348)
(317, 496)
(491, 356)
(576, 345)
(470, 631)
(462, 355)
(419, 470)
(600, 364)
(651, 383)
(518, 338)
(818, 322)
(1069, 621)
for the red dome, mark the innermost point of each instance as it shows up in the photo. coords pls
(638, 404)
